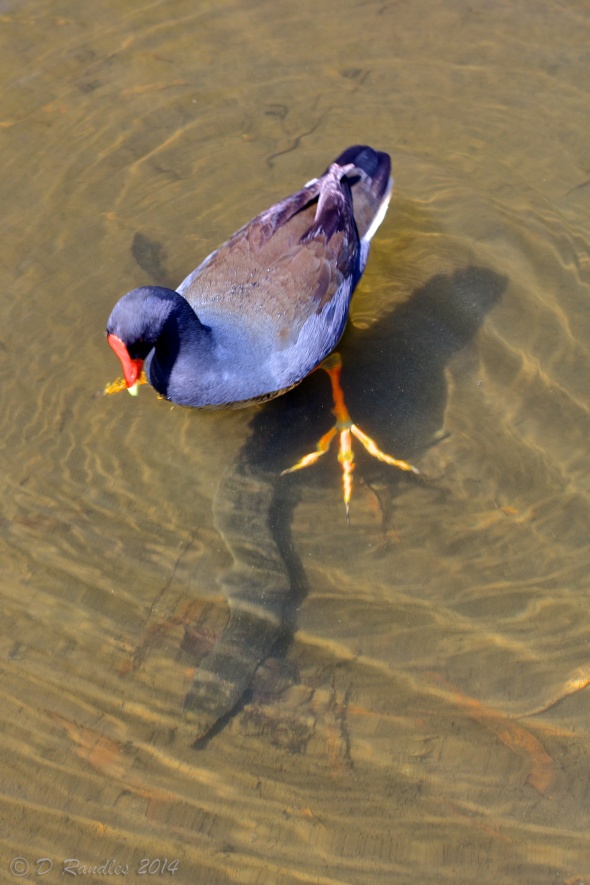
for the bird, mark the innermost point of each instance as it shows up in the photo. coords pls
(266, 308)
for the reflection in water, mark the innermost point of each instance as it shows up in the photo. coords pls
(398, 751)
(401, 361)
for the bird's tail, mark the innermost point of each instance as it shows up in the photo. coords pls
(371, 189)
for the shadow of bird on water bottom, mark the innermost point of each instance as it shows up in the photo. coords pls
(395, 388)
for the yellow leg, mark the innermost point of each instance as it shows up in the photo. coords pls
(321, 449)
(346, 429)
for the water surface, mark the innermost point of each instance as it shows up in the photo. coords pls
(429, 720)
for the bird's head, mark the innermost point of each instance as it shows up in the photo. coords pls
(134, 326)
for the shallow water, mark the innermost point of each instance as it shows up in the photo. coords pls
(435, 724)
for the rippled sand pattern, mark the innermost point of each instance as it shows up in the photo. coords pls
(430, 720)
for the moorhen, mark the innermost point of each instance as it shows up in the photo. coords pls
(266, 308)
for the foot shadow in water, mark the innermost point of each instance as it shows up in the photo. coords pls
(394, 383)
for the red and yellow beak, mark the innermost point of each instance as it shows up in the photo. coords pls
(131, 368)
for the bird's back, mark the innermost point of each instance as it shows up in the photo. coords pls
(286, 278)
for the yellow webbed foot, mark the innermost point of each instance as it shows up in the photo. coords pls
(346, 430)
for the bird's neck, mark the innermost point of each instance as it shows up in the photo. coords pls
(183, 344)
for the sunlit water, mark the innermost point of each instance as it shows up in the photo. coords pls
(435, 726)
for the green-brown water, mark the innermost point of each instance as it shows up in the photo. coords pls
(134, 139)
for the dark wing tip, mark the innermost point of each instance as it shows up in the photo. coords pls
(375, 164)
